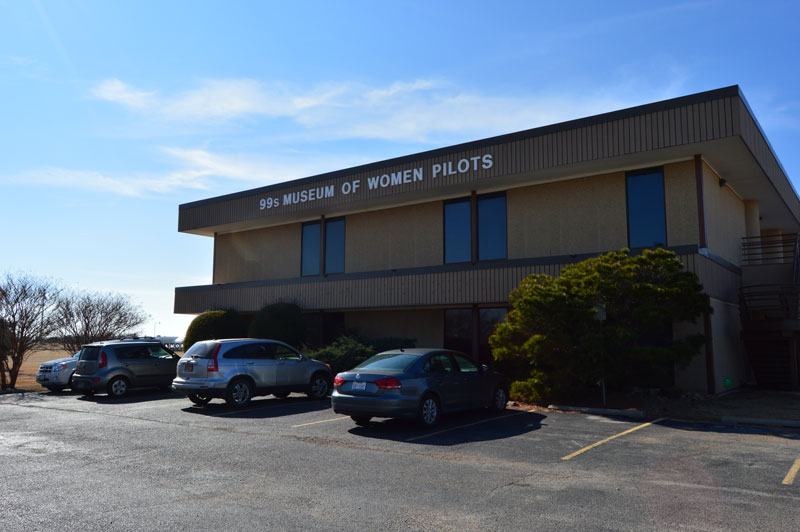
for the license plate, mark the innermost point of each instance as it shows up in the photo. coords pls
(41, 378)
(188, 368)
(359, 386)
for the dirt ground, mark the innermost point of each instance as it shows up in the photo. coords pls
(27, 375)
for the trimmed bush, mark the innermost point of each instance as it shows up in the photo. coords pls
(279, 321)
(212, 325)
(346, 352)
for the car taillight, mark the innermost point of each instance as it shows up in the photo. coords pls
(212, 363)
(103, 360)
(390, 383)
(338, 381)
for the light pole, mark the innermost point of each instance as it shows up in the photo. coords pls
(154, 327)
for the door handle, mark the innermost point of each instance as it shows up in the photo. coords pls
(250, 363)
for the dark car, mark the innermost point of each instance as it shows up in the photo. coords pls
(118, 365)
(419, 384)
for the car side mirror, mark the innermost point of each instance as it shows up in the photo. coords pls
(484, 368)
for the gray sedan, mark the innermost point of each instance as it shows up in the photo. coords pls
(417, 383)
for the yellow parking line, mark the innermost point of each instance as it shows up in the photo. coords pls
(792, 472)
(601, 442)
(323, 421)
(465, 426)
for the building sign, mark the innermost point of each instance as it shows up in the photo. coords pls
(379, 182)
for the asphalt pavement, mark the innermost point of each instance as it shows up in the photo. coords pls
(153, 461)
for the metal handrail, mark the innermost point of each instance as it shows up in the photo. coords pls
(773, 249)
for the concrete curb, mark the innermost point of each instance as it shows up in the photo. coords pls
(760, 421)
(638, 414)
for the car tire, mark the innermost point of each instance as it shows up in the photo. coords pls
(117, 387)
(199, 400)
(429, 411)
(361, 421)
(499, 399)
(281, 395)
(319, 387)
(239, 393)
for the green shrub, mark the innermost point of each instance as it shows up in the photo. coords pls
(346, 352)
(213, 325)
(279, 321)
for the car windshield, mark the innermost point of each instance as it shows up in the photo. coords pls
(389, 361)
(201, 350)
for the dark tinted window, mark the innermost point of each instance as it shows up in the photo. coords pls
(647, 224)
(334, 246)
(439, 364)
(466, 366)
(389, 361)
(457, 232)
(202, 350)
(284, 353)
(90, 353)
(250, 351)
(492, 228)
(458, 330)
(131, 352)
(311, 252)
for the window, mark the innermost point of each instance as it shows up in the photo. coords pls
(466, 366)
(334, 246)
(284, 353)
(458, 330)
(457, 232)
(159, 352)
(438, 364)
(309, 263)
(311, 258)
(490, 240)
(492, 228)
(647, 225)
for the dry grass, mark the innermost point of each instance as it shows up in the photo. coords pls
(27, 375)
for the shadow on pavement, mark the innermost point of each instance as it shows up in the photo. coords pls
(136, 395)
(455, 429)
(726, 428)
(265, 408)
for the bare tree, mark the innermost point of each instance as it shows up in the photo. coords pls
(84, 317)
(26, 304)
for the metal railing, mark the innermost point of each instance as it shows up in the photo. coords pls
(771, 301)
(773, 249)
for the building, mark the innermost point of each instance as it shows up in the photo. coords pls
(428, 246)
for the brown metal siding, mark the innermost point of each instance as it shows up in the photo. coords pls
(651, 131)
(467, 287)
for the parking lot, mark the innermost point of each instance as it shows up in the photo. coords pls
(154, 461)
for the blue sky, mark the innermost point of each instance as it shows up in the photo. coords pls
(114, 113)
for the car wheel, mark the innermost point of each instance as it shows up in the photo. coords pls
(499, 400)
(281, 395)
(199, 400)
(239, 393)
(361, 421)
(429, 411)
(117, 387)
(319, 387)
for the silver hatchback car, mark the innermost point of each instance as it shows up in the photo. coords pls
(239, 369)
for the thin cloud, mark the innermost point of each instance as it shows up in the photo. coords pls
(422, 110)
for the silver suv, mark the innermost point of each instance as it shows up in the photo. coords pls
(118, 365)
(239, 369)
(55, 375)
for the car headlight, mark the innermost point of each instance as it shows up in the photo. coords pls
(58, 367)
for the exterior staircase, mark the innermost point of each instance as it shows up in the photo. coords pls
(770, 309)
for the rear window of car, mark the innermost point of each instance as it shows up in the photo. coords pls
(90, 353)
(389, 361)
(202, 350)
